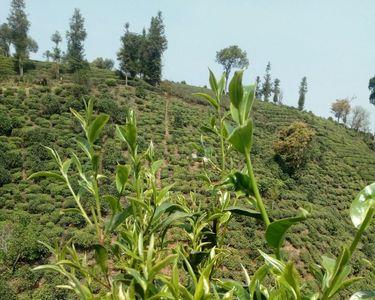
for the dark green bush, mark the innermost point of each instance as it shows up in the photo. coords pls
(5, 176)
(6, 125)
(140, 92)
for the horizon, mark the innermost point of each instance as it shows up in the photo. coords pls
(330, 43)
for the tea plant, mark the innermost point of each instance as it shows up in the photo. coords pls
(154, 244)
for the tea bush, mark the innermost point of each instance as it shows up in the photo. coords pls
(157, 244)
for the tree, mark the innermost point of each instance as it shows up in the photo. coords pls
(302, 93)
(129, 54)
(371, 86)
(47, 54)
(75, 37)
(19, 27)
(276, 90)
(156, 45)
(103, 63)
(341, 109)
(5, 40)
(56, 53)
(232, 57)
(258, 89)
(360, 119)
(267, 85)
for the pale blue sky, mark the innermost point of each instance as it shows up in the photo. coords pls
(329, 41)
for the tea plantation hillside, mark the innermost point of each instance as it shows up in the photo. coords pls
(33, 115)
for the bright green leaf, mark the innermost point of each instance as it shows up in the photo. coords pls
(276, 231)
(361, 204)
(241, 137)
(236, 89)
(96, 127)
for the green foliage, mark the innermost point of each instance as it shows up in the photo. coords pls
(5, 124)
(371, 87)
(19, 27)
(159, 244)
(103, 63)
(293, 145)
(302, 93)
(343, 163)
(6, 67)
(111, 82)
(140, 54)
(75, 38)
(267, 84)
(232, 57)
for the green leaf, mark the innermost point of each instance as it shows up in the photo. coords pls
(203, 285)
(274, 263)
(241, 137)
(47, 267)
(249, 95)
(276, 231)
(166, 207)
(361, 295)
(244, 212)
(138, 278)
(221, 85)
(113, 202)
(290, 280)
(211, 100)
(47, 175)
(122, 175)
(96, 128)
(236, 89)
(118, 219)
(361, 204)
(241, 182)
(213, 82)
(101, 257)
(128, 133)
(161, 265)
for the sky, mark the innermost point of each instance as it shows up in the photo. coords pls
(329, 41)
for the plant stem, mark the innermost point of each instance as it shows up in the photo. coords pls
(352, 248)
(254, 186)
(361, 229)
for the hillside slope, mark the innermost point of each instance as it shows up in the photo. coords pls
(33, 115)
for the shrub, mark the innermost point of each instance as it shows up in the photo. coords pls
(51, 105)
(6, 125)
(140, 92)
(6, 292)
(6, 67)
(293, 145)
(111, 82)
(5, 176)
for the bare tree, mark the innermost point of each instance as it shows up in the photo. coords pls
(360, 119)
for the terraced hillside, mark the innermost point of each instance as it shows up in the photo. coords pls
(33, 115)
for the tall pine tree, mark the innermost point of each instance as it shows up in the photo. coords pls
(267, 84)
(156, 45)
(258, 88)
(19, 27)
(302, 93)
(276, 90)
(75, 37)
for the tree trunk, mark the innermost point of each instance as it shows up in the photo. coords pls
(20, 66)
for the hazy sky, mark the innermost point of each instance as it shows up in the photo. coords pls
(330, 42)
